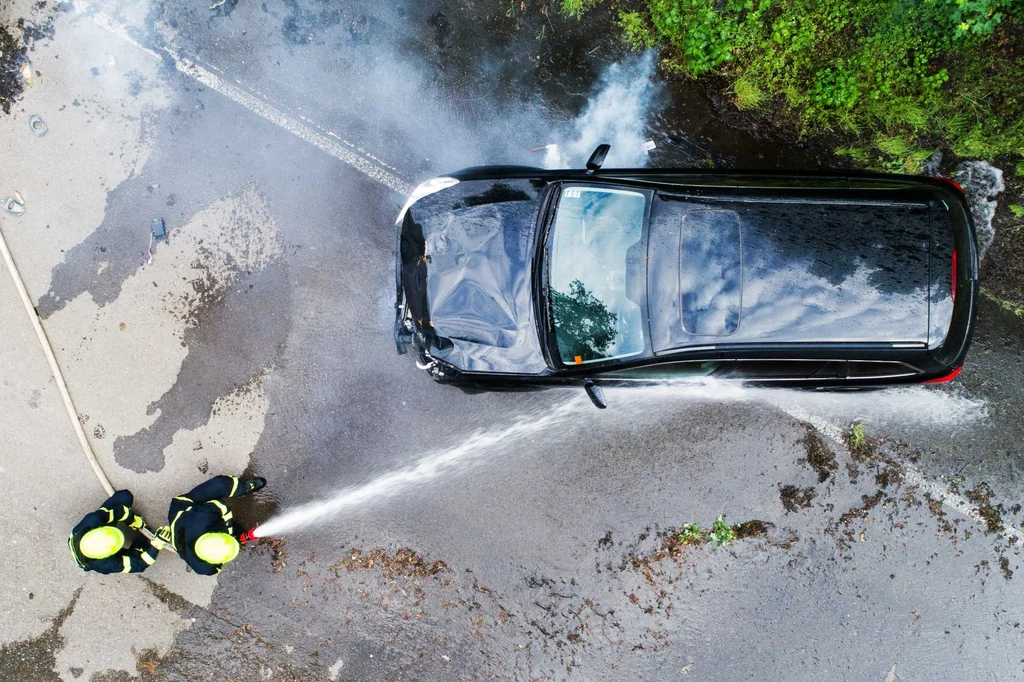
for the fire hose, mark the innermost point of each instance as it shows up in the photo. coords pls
(62, 387)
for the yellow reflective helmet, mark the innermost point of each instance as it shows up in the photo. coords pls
(216, 548)
(102, 542)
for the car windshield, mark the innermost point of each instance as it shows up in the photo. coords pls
(596, 274)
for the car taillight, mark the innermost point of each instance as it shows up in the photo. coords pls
(948, 377)
(950, 181)
(954, 274)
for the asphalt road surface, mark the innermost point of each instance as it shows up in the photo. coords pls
(258, 339)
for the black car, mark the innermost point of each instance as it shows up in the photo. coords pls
(515, 276)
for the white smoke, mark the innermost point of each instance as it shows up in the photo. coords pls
(616, 114)
(982, 182)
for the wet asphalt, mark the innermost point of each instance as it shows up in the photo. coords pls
(549, 557)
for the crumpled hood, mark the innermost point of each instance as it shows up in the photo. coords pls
(466, 255)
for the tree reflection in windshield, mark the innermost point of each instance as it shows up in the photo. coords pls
(596, 275)
(586, 328)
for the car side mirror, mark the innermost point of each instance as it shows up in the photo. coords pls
(595, 393)
(598, 157)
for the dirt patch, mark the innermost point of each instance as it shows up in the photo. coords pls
(819, 457)
(12, 56)
(1004, 567)
(992, 515)
(34, 660)
(869, 502)
(403, 562)
(889, 475)
(751, 529)
(935, 507)
(794, 499)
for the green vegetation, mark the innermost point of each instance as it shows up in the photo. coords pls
(721, 533)
(585, 328)
(576, 8)
(858, 437)
(898, 78)
(1017, 210)
(691, 535)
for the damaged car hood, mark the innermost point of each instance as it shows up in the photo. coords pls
(466, 255)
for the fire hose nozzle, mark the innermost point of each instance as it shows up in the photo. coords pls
(248, 536)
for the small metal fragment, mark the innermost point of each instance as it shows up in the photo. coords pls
(12, 206)
(159, 229)
(37, 125)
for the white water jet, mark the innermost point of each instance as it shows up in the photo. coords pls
(424, 470)
(900, 405)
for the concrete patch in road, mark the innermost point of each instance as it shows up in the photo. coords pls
(116, 618)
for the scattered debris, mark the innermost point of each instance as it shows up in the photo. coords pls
(13, 206)
(794, 499)
(278, 554)
(819, 457)
(751, 529)
(992, 515)
(27, 76)
(404, 562)
(649, 146)
(159, 229)
(157, 233)
(37, 125)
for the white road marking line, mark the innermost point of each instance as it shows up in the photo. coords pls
(342, 150)
(912, 476)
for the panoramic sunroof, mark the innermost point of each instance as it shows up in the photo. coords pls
(710, 285)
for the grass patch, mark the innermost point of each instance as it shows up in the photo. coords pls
(748, 94)
(576, 8)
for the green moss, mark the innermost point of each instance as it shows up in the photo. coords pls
(636, 30)
(1008, 306)
(1017, 210)
(576, 8)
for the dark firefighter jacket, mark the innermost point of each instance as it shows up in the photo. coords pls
(115, 511)
(198, 512)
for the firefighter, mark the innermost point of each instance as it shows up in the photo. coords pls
(201, 529)
(98, 541)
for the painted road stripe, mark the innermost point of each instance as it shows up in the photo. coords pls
(339, 148)
(912, 476)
